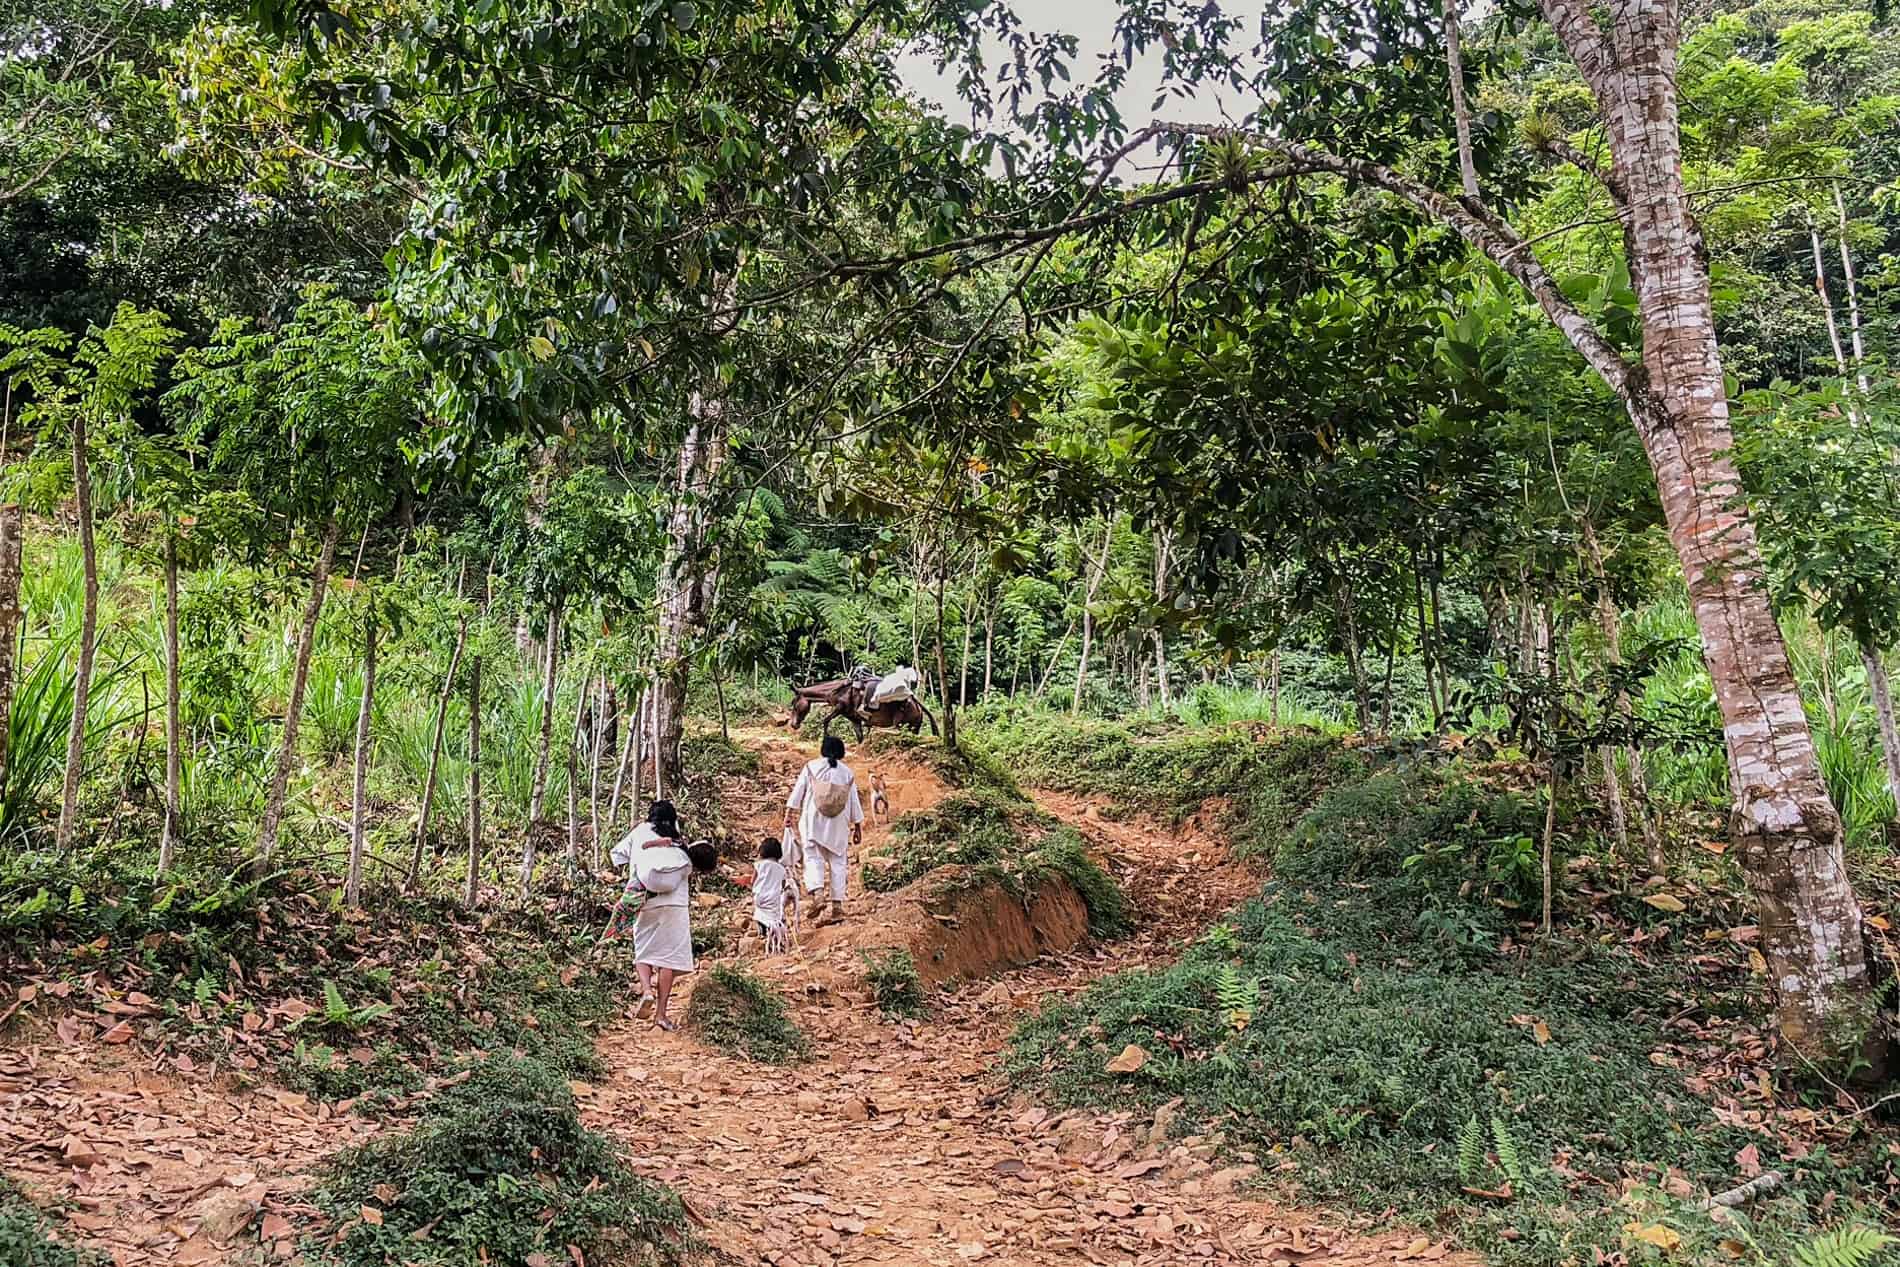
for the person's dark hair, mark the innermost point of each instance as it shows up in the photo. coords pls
(832, 750)
(770, 849)
(703, 854)
(665, 819)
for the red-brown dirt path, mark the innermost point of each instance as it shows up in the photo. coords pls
(900, 1142)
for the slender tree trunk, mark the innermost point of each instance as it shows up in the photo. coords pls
(642, 722)
(969, 630)
(1349, 625)
(1882, 695)
(473, 888)
(573, 782)
(719, 693)
(1273, 684)
(359, 788)
(688, 574)
(12, 549)
(293, 707)
(1088, 615)
(661, 787)
(1460, 113)
(989, 644)
(1609, 620)
(544, 743)
(1853, 293)
(943, 672)
(1055, 657)
(629, 761)
(174, 730)
(595, 739)
(435, 748)
(88, 639)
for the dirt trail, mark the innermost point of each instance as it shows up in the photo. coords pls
(900, 1143)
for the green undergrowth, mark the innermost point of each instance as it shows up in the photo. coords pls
(892, 976)
(29, 1237)
(991, 838)
(1269, 777)
(274, 980)
(1383, 1029)
(738, 1013)
(498, 1169)
(970, 766)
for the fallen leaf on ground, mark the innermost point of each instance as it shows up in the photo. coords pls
(1663, 1238)
(1132, 1058)
(1664, 902)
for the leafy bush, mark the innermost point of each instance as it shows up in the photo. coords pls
(736, 1012)
(968, 829)
(28, 1238)
(895, 985)
(499, 1169)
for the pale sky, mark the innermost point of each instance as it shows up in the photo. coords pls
(1092, 22)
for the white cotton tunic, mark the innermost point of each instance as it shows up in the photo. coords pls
(663, 933)
(768, 893)
(832, 835)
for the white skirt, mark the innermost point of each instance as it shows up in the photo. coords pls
(663, 938)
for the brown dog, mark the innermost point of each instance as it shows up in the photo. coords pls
(880, 803)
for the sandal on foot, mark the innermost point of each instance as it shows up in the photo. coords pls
(644, 1008)
(666, 1026)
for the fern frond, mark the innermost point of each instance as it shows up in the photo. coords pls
(1508, 1159)
(1471, 1153)
(1856, 1245)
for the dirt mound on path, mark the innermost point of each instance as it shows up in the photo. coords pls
(957, 931)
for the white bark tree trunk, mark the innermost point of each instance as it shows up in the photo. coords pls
(359, 786)
(472, 889)
(688, 574)
(293, 707)
(88, 640)
(435, 749)
(1088, 615)
(12, 548)
(1460, 113)
(174, 731)
(1882, 694)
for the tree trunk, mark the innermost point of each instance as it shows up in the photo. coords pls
(174, 731)
(472, 890)
(435, 749)
(1349, 625)
(88, 639)
(12, 548)
(596, 738)
(1273, 684)
(293, 707)
(573, 783)
(1853, 293)
(989, 644)
(629, 761)
(1460, 113)
(1055, 657)
(1882, 694)
(969, 631)
(719, 693)
(1088, 616)
(1788, 830)
(544, 742)
(686, 581)
(943, 673)
(359, 788)
(1609, 620)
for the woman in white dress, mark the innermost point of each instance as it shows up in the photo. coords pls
(663, 932)
(830, 820)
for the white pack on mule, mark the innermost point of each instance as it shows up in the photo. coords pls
(899, 684)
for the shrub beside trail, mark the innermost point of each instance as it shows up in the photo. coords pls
(1382, 1021)
(498, 1170)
